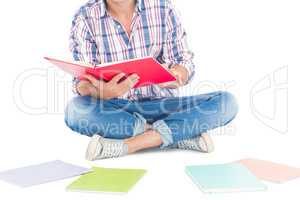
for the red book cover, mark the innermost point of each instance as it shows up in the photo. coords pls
(148, 69)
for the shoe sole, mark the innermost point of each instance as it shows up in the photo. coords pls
(92, 147)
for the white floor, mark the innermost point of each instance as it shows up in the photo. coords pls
(165, 178)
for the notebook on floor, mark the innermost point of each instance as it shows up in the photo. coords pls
(220, 178)
(107, 180)
(270, 171)
(42, 173)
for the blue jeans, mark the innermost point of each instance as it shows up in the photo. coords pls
(175, 118)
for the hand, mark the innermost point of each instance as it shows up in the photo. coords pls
(180, 74)
(112, 89)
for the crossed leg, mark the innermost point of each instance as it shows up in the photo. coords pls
(172, 119)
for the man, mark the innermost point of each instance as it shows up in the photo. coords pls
(122, 120)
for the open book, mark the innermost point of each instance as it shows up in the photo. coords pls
(147, 68)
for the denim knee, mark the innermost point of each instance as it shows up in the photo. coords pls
(229, 105)
(70, 117)
(89, 116)
(75, 109)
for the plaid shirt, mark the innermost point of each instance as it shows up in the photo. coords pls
(155, 31)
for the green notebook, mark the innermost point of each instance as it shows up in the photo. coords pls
(224, 178)
(107, 180)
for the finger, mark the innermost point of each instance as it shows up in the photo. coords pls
(117, 78)
(169, 85)
(130, 81)
(166, 66)
(92, 79)
(165, 85)
(162, 85)
(177, 76)
(180, 81)
(173, 71)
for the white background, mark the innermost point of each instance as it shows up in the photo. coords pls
(238, 45)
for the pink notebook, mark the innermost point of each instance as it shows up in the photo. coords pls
(270, 171)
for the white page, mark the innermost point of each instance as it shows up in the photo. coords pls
(42, 173)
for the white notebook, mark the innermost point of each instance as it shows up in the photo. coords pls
(42, 173)
(224, 178)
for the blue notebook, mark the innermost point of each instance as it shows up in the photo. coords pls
(233, 177)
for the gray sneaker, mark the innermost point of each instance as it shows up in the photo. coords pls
(202, 143)
(101, 148)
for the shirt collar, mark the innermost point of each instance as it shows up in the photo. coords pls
(139, 7)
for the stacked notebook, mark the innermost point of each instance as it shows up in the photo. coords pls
(269, 171)
(93, 180)
(42, 173)
(240, 176)
(107, 180)
(224, 178)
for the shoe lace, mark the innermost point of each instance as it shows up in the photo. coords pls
(190, 144)
(111, 150)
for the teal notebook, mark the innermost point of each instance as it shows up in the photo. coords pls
(107, 180)
(233, 177)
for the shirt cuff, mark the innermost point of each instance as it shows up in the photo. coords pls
(74, 86)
